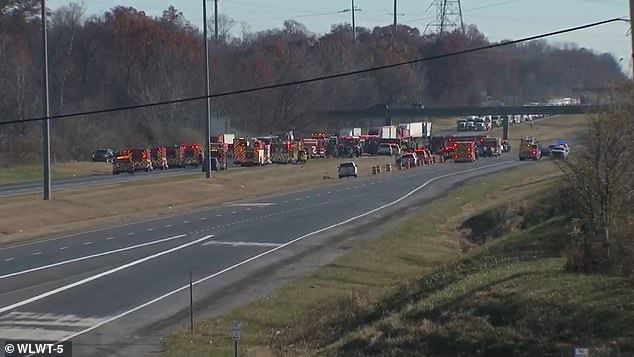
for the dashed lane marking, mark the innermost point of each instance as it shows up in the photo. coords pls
(9, 259)
(100, 275)
(92, 256)
(87, 243)
(37, 253)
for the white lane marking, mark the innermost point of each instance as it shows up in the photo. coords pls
(298, 199)
(168, 225)
(329, 192)
(37, 253)
(248, 209)
(149, 229)
(90, 256)
(241, 244)
(63, 248)
(100, 275)
(307, 196)
(234, 212)
(218, 215)
(131, 233)
(185, 222)
(9, 259)
(87, 243)
(282, 246)
(110, 238)
(252, 204)
(286, 201)
(202, 218)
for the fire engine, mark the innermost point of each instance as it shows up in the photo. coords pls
(464, 151)
(159, 157)
(190, 155)
(141, 159)
(173, 156)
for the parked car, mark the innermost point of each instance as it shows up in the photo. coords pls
(384, 149)
(348, 169)
(103, 155)
(396, 150)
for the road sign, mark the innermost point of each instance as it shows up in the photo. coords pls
(236, 331)
(581, 352)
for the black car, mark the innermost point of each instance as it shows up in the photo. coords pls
(547, 150)
(103, 155)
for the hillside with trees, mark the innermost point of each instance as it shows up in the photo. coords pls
(126, 57)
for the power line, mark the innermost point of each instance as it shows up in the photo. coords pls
(321, 78)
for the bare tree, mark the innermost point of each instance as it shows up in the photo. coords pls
(600, 175)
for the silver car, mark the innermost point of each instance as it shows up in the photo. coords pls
(348, 169)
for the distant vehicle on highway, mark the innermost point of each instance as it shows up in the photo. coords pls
(418, 106)
(560, 152)
(383, 106)
(347, 169)
(103, 155)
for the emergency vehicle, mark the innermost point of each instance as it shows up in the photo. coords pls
(173, 156)
(491, 147)
(158, 155)
(141, 159)
(464, 151)
(239, 150)
(122, 162)
(190, 155)
(530, 151)
(254, 154)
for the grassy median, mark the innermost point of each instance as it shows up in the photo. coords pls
(500, 288)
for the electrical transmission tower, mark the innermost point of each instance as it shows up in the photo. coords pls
(448, 15)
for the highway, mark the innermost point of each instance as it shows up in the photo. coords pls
(97, 288)
(25, 188)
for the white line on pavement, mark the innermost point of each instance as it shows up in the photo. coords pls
(90, 256)
(241, 244)
(9, 259)
(100, 275)
(282, 246)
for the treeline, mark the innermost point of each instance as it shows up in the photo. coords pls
(126, 57)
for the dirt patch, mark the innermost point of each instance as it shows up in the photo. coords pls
(28, 217)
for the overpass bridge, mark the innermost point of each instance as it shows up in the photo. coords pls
(440, 112)
(388, 116)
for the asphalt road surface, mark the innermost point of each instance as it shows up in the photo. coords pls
(92, 181)
(97, 287)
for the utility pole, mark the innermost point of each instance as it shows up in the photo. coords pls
(354, 29)
(632, 34)
(216, 19)
(207, 162)
(46, 125)
(395, 16)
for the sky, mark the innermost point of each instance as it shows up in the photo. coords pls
(497, 19)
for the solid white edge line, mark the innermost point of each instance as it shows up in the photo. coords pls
(282, 246)
(90, 256)
(100, 275)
